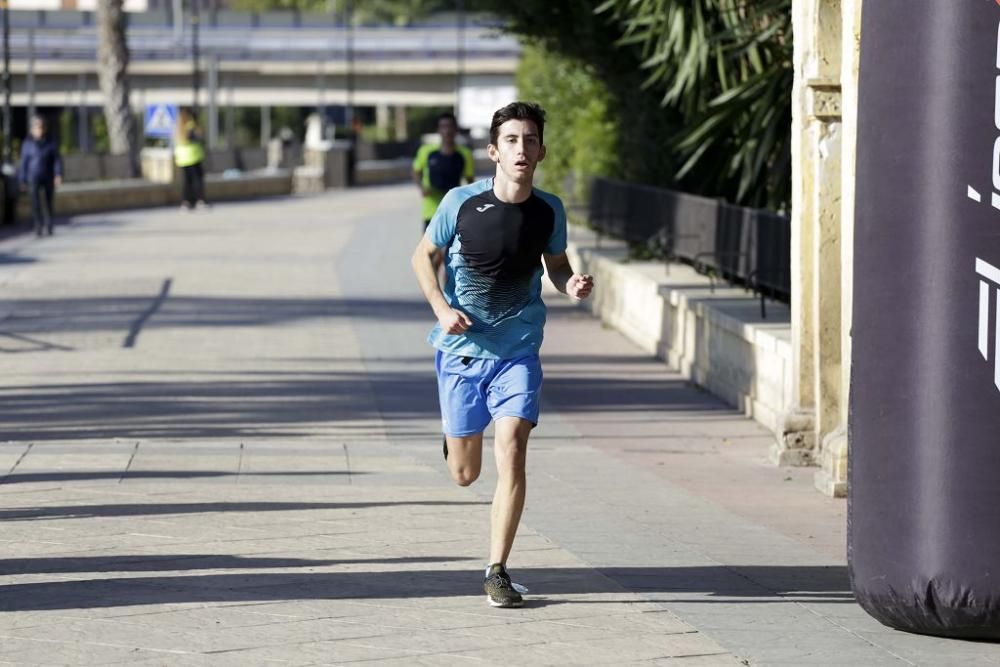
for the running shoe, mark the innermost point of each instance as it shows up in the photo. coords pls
(500, 592)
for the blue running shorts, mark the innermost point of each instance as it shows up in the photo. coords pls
(473, 391)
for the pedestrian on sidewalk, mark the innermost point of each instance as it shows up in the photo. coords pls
(497, 233)
(189, 155)
(40, 173)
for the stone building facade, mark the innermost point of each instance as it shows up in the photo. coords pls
(824, 128)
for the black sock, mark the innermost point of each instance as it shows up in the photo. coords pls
(495, 568)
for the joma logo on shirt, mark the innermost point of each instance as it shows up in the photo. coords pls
(484, 208)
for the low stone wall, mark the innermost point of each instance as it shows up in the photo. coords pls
(715, 337)
(373, 172)
(248, 185)
(79, 167)
(95, 196)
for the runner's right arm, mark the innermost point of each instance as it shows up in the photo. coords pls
(418, 178)
(452, 321)
(419, 165)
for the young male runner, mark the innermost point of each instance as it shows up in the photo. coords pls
(490, 317)
(437, 168)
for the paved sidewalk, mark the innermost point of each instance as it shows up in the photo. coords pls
(218, 445)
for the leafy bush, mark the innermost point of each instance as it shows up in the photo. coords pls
(725, 67)
(581, 134)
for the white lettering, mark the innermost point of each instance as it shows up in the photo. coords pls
(996, 103)
(998, 47)
(989, 274)
(996, 164)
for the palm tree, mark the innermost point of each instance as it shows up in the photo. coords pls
(726, 67)
(112, 72)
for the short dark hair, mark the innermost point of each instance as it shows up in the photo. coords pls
(518, 111)
(447, 115)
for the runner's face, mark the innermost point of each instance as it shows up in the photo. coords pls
(518, 150)
(37, 129)
(447, 130)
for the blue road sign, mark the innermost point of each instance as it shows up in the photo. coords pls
(160, 120)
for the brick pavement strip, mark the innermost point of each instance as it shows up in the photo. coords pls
(217, 447)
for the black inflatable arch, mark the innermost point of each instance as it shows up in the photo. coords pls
(924, 481)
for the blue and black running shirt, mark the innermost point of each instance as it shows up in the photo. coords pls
(494, 268)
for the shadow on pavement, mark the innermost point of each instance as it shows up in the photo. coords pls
(90, 511)
(751, 584)
(28, 344)
(8, 258)
(286, 407)
(137, 563)
(255, 407)
(120, 313)
(283, 407)
(57, 476)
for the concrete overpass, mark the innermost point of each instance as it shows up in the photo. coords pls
(266, 60)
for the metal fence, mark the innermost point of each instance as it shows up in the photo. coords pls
(743, 246)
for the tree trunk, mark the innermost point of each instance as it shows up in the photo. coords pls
(112, 71)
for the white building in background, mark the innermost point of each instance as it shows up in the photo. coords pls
(72, 5)
(479, 96)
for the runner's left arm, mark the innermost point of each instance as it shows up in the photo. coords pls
(575, 285)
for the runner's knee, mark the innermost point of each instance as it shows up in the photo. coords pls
(511, 456)
(465, 475)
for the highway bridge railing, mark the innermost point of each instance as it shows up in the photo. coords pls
(231, 35)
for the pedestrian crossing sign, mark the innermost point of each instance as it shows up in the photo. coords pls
(160, 120)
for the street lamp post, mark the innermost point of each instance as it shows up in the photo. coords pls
(349, 107)
(195, 74)
(460, 69)
(8, 148)
(9, 189)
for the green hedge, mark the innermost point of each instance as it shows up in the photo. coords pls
(581, 133)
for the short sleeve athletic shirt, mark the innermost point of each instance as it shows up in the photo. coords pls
(494, 268)
(441, 172)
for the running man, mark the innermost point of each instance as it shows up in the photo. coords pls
(497, 232)
(437, 168)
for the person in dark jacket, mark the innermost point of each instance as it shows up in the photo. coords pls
(40, 173)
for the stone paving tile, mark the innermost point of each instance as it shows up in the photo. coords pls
(164, 636)
(431, 660)
(697, 661)
(604, 651)
(360, 648)
(59, 652)
(926, 650)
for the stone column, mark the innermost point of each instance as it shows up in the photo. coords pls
(797, 438)
(265, 126)
(816, 259)
(213, 109)
(831, 479)
(401, 132)
(230, 116)
(826, 132)
(383, 120)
